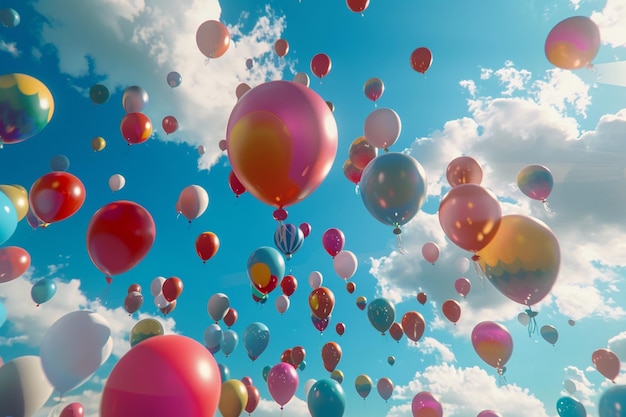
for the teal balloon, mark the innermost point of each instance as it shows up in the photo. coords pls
(8, 218)
(393, 188)
(256, 337)
(230, 340)
(549, 334)
(326, 398)
(224, 372)
(99, 94)
(613, 402)
(300, 367)
(3, 314)
(9, 17)
(381, 313)
(43, 290)
(266, 371)
(569, 407)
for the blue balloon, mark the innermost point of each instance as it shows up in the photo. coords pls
(9, 17)
(213, 337)
(229, 342)
(266, 267)
(59, 163)
(393, 188)
(174, 79)
(43, 290)
(613, 402)
(569, 407)
(266, 371)
(8, 218)
(224, 372)
(381, 313)
(326, 398)
(256, 337)
(288, 239)
(3, 314)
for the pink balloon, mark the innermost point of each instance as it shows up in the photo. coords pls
(241, 89)
(607, 363)
(493, 343)
(73, 410)
(430, 252)
(282, 382)
(462, 286)
(464, 170)
(333, 241)
(247, 381)
(488, 413)
(382, 128)
(424, 404)
(345, 264)
(306, 228)
(384, 386)
(14, 261)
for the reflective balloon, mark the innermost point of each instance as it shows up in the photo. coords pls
(14, 262)
(233, 398)
(373, 88)
(430, 252)
(337, 375)
(282, 303)
(99, 94)
(74, 409)
(607, 363)
(451, 310)
(352, 173)
(350, 287)
(333, 241)
(134, 99)
(362, 152)
(235, 185)
(288, 238)
(535, 181)
(213, 337)
(254, 397)
(573, 43)
(9, 17)
(357, 6)
(218, 306)
(413, 325)
(493, 343)
(24, 387)
(322, 302)
(326, 398)
(549, 334)
(381, 314)
(331, 355)
(462, 265)
(19, 197)
(98, 143)
(133, 301)
(384, 386)
(169, 124)
(302, 78)
(212, 38)
(230, 340)
(145, 329)
(193, 201)
(59, 163)
(256, 337)
(266, 267)
(231, 317)
(174, 79)
(424, 404)
(363, 385)
(320, 324)
(612, 402)
(488, 413)
(345, 264)
(281, 47)
(55, 196)
(116, 182)
(421, 59)
(569, 407)
(207, 245)
(361, 302)
(288, 285)
(43, 290)
(464, 170)
(462, 286)
(340, 328)
(422, 298)
(320, 65)
(282, 382)
(315, 279)
(136, 128)
(382, 128)
(396, 331)
(172, 288)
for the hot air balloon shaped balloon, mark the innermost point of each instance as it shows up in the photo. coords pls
(535, 181)
(288, 239)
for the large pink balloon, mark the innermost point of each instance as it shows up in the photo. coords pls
(573, 43)
(282, 141)
(382, 128)
(14, 261)
(282, 382)
(493, 343)
(424, 404)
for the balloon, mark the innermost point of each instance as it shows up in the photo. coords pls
(302, 78)
(315, 279)
(218, 306)
(266, 267)
(9, 17)
(396, 331)
(26, 106)
(135, 386)
(288, 285)
(422, 298)
(337, 375)
(413, 325)
(281, 150)
(59, 163)
(357, 6)
(464, 170)
(193, 201)
(172, 288)
(470, 216)
(240, 90)
(201, 149)
(373, 89)
(345, 264)
(570, 386)
(3, 319)
(352, 173)
(116, 182)
(331, 355)
(230, 340)
(156, 286)
(73, 410)
(320, 65)
(612, 402)
(282, 382)
(326, 398)
(99, 94)
(384, 386)
(535, 181)
(493, 343)
(133, 287)
(56, 196)
(233, 398)
(254, 397)
(174, 79)
(569, 407)
(391, 360)
(168, 308)
(231, 317)
(350, 287)
(235, 185)
(361, 302)
(14, 262)
(134, 99)
(298, 354)
(523, 259)
(224, 372)
(256, 337)
(462, 265)
(451, 310)
(573, 43)
(430, 252)
(488, 413)
(133, 301)
(119, 236)
(145, 329)
(288, 238)
(421, 59)
(282, 303)
(363, 385)
(340, 328)
(281, 47)
(333, 241)
(306, 229)
(222, 145)
(43, 290)
(24, 386)
(212, 38)
(322, 302)
(362, 152)
(19, 197)
(382, 128)
(424, 404)
(213, 338)
(249, 63)
(74, 347)
(136, 128)
(207, 245)
(607, 363)
(381, 314)
(330, 105)
(98, 143)
(462, 286)
(170, 124)
(549, 334)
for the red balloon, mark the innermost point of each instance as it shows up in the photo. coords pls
(298, 354)
(288, 285)
(362, 152)
(136, 127)
(163, 376)
(421, 59)
(253, 398)
(305, 228)
(286, 357)
(357, 6)
(331, 355)
(134, 288)
(452, 310)
(56, 196)
(352, 173)
(231, 317)
(422, 298)
(396, 331)
(133, 301)
(322, 302)
(207, 244)
(170, 124)
(350, 287)
(413, 325)
(235, 185)
(73, 410)
(119, 236)
(172, 288)
(607, 363)
(14, 261)
(340, 328)
(464, 170)
(320, 65)
(281, 47)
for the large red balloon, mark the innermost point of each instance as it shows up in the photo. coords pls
(119, 236)
(136, 127)
(421, 59)
(56, 196)
(320, 65)
(14, 261)
(163, 376)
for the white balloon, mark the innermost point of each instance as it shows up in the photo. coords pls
(193, 201)
(345, 264)
(160, 301)
(24, 387)
(523, 318)
(382, 128)
(74, 347)
(462, 265)
(282, 303)
(156, 286)
(230, 341)
(218, 306)
(307, 386)
(302, 78)
(315, 279)
(116, 182)
(570, 386)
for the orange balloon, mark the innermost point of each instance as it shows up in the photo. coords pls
(352, 173)
(362, 152)
(281, 47)
(396, 331)
(212, 38)
(14, 261)
(297, 355)
(322, 302)
(331, 355)
(207, 244)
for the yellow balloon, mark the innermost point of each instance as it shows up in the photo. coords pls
(19, 197)
(233, 398)
(98, 143)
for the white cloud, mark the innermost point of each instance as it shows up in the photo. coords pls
(585, 392)
(617, 344)
(512, 78)
(429, 346)
(269, 408)
(10, 48)
(610, 20)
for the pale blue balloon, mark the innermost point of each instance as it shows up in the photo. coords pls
(256, 337)
(229, 342)
(224, 372)
(381, 313)
(326, 398)
(59, 163)
(3, 314)
(8, 218)
(213, 337)
(43, 290)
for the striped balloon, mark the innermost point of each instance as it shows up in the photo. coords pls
(288, 239)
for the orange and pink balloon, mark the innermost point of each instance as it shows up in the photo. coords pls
(573, 43)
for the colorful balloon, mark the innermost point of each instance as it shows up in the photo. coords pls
(322, 302)
(99, 94)
(254, 397)
(430, 252)
(193, 201)
(320, 324)
(350, 287)
(569, 407)
(422, 298)
(391, 360)
(337, 375)
(55, 196)
(340, 328)
(326, 398)
(464, 170)
(413, 325)
(573, 43)
(361, 302)
(421, 59)
(607, 363)
(233, 398)
(282, 303)
(14, 262)
(382, 128)
(385, 387)
(19, 197)
(381, 314)
(207, 245)
(174, 79)
(282, 382)
(331, 355)
(363, 385)
(288, 285)
(281, 47)
(256, 337)
(266, 267)
(352, 173)
(172, 288)
(169, 124)
(134, 99)
(362, 152)
(535, 181)
(373, 88)
(424, 404)
(145, 329)
(320, 65)
(493, 343)
(230, 341)
(136, 128)
(213, 337)
(212, 38)
(288, 238)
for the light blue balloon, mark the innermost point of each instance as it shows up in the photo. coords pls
(288, 238)
(43, 290)
(224, 372)
(3, 314)
(271, 258)
(8, 218)
(613, 402)
(393, 188)
(229, 342)
(569, 407)
(256, 337)
(381, 313)
(213, 337)
(326, 398)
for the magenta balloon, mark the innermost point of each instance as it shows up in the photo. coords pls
(462, 286)
(493, 343)
(384, 386)
(425, 405)
(73, 410)
(382, 128)
(333, 241)
(573, 43)
(430, 252)
(488, 413)
(282, 382)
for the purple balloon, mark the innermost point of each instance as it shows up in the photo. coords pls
(320, 324)
(333, 241)
(488, 413)
(282, 382)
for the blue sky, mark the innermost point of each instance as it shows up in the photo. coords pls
(490, 94)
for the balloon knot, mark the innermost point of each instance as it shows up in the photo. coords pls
(476, 258)
(109, 279)
(280, 214)
(37, 305)
(397, 231)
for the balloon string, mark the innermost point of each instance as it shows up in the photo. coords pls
(357, 189)
(399, 244)
(547, 208)
(480, 273)
(532, 324)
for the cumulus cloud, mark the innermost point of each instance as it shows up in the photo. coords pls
(10, 48)
(610, 21)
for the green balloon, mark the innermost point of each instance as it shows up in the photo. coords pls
(145, 329)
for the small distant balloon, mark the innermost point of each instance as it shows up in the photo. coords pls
(535, 181)
(321, 65)
(116, 182)
(9, 18)
(302, 78)
(174, 79)
(464, 170)
(99, 94)
(59, 163)
(281, 47)
(357, 6)
(421, 59)
(249, 63)
(373, 88)
(430, 252)
(98, 143)
(549, 334)
(170, 124)
(134, 99)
